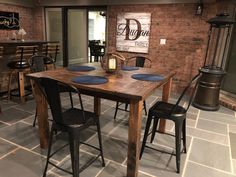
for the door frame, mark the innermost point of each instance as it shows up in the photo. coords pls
(64, 11)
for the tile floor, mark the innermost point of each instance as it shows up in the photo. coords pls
(211, 140)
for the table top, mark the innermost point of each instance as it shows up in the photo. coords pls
(120, 86)
(25, 42)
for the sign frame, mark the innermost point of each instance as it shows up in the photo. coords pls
(133, 31)
(9, 20)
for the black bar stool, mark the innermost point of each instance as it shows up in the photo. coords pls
(20, 67)
(175, 113)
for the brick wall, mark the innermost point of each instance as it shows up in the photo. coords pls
(30, 20)
(186, 36)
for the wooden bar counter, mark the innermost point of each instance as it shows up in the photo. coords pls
(8, 54)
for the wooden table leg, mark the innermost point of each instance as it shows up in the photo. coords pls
(42, 115)
(21, 84)
(135, 121)
(165, 97)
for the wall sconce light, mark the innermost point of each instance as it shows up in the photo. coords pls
(199, 8)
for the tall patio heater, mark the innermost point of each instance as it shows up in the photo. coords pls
(212, 73)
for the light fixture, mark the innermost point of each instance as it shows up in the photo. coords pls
(199, 8)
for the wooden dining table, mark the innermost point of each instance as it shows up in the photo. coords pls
(120, 87)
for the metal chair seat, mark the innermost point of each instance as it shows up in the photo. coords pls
(163, 109)
(18, 64)
(48, 60)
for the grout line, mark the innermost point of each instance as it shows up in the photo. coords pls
(5, 123)
(19, 109)
(14, 150)
(212, 168)
(52, 173)
(209, 141)
(230, 154)
(123, 163)
(221, 113)
(24, 148)
(198, 115)
(211, 132)
(100, 171)
(219, 122)
(187, 157)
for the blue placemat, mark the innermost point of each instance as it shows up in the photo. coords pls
(80, 68)
(129, 68)
(89, 80)
(147, 77)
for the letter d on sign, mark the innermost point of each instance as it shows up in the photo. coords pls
(127, 35)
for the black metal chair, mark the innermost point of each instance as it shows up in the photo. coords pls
(37, 64)
(96, 50)
(72, 121)
(174, 112)
(138, 61)
(51, 51)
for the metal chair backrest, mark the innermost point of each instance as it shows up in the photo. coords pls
(24, 53)
(37, 63)
(190, 87)
(51, 90)
(140, 61)
(51, 50)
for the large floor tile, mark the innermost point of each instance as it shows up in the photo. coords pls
(6, 147)
(5, 104)
(13, 115)
(232, 128)
(22, 164)
(21, 134)
(90, 171)
(114, 149)
(218, 117)
(211, 154)
(212, 126)
(196, 170)
(234, 166)
(29, 106)
(232, 137)
(161, 164)
(60, 140)
(116, 170)
(207, 135)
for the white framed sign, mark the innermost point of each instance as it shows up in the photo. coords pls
(132, 32)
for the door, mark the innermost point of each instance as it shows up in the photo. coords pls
(77, 36)
(54, 30)
(96, 32)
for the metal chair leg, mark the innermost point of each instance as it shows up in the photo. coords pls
(184, 136)
(49, 151)
(154, 129)
(74, 152)
(71, 100)
(148, 124)
(100, 142)
(145, 107)
(178, 130)
(117, 105)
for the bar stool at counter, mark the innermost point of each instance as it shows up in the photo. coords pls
(51, 51)
(20, 67)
